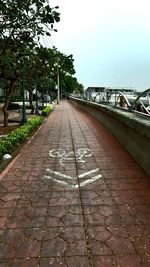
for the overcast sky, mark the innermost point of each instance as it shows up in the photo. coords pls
(109, 40)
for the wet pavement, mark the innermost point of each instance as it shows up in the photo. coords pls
(74, 198)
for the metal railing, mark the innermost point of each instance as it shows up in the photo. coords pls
(137, 103)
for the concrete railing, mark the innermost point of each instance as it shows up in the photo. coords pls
(132, 131)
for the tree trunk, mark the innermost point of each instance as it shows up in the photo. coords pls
(5, 112)
(8, 95)
(31, 102)
(42, 96)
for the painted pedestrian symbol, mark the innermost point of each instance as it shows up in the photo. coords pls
(66, 179)
(81, 154)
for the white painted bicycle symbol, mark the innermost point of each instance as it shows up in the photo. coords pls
(64, 156)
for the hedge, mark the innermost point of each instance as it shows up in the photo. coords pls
(16, 137)
(46, 111)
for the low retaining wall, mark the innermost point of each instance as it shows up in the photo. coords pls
(132, 131)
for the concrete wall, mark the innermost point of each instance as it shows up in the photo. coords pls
(132, 131)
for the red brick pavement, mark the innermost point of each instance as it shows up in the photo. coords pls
(74, 198)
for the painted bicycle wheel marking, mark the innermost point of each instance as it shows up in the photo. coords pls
(64, 156)
(59, 178)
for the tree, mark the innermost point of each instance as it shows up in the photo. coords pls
(71, 85)
(41, 69)
(21, 24)
(22, 21)
(50, 61)
(63, 65)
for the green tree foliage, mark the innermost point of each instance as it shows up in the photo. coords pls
(21, 23)
(71, 85)
(41, 69)
(22, 58)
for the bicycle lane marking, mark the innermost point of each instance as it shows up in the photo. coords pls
(64, 156)
(60, 176)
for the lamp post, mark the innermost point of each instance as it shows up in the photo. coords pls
(58, 86)
(36, 104)
(36, 99)
(24, 118)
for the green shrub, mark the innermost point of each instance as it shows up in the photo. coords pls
(16, 137)
(46, 110)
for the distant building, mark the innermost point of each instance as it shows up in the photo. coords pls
(120, 89)
(110, 89)
(96, 89)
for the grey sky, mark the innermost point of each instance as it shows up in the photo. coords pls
(109, 39)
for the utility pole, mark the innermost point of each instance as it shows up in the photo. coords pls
(36, 103)
(24, 118)
(58, 86)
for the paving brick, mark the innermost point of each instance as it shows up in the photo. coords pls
(26, 216)
(20, 243)
(25, 263)
(7, 200)
(4, 263)
(64, 215)
(128, 260)
(65, 261)
(101, 261)
(95, 215)
(64, 198)
(68, 241)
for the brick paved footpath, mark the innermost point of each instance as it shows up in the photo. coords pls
(74, 198)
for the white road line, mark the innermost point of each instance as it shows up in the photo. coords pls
(61, 182)
(60, 174)
(58, 181)
(88, 173)
(89, 181)
(48, 177)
